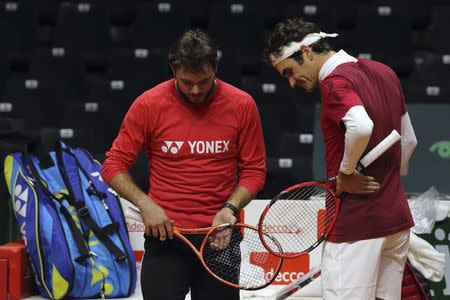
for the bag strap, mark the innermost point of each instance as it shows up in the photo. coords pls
(101, 233)
(66, 158)
(77, 236)
(79, 240)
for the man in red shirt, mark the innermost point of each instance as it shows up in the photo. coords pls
(362, 102)
(204, 143)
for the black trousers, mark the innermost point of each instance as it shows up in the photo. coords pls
(170, 268)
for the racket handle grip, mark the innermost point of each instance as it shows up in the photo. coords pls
(379, 149)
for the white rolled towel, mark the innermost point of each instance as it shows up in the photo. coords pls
(424, 258)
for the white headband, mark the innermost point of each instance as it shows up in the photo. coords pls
(295, 46)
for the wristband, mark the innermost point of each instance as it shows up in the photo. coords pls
(233, 208)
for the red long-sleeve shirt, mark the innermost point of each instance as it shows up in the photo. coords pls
(195, 151)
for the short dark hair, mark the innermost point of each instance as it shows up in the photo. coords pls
(293, 30)
(192, 50)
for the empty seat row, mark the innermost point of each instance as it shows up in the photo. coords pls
(429, 82)
(381, 27)
(124, 11)
(56, 81)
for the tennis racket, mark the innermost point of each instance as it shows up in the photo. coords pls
(233, 254)
(294, 286)
(302, 216)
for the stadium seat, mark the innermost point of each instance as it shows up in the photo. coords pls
(385, 35)
(420, 12)
(275, 102)
(429, 81)
(272, 11)
(197, 11)
(83, 28)
(283, 172)
(157, 25)
(21, 100)
(139, 69)
(5, 71)
(439, 29)
(47, 10)
(88, 124)
(417, 12)
(61, 76)
(299, 111)
(317, 11)
(121, 12)
(236, 27)
(344, 12)
(18, 34)
(272, 130)
(111, 100)
(229, 69)
(91, 140)
(295, 144)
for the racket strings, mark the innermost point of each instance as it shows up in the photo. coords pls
(299, 226)
(323, 215)
(242, 260)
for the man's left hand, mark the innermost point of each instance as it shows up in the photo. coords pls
(356, 183)
(225, 215)
(221, 239)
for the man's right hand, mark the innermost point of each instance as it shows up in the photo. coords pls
(157, 224)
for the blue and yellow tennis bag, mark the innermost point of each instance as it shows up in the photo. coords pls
(72, 223)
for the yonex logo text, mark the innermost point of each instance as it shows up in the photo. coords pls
(197, 147)
(201, 147)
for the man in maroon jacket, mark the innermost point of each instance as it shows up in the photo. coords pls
(205, 147)
(362, 102)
